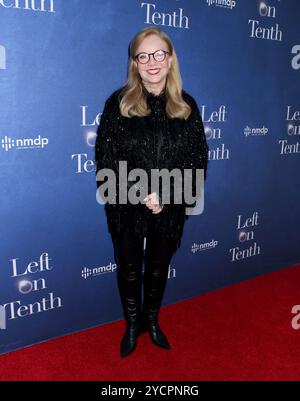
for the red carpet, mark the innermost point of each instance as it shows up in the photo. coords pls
(242, 332)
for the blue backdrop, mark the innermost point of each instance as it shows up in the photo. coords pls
(59, 61)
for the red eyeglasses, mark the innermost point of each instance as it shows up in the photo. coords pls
(158, 55)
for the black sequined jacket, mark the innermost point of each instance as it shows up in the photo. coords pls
(154, 141)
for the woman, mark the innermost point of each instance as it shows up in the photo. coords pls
(151, 123)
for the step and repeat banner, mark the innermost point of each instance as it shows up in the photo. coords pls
(59, 61)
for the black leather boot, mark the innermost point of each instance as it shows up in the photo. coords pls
(155, 279)
(129, 258)
(156, 334)
(130, 286)
(129, 340)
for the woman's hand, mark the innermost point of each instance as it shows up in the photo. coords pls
(152, 203)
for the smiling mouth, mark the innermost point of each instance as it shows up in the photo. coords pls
(153, 71)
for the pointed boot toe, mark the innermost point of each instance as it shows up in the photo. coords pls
(157, 336)
(129, 340)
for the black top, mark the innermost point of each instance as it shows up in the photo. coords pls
(154, 141)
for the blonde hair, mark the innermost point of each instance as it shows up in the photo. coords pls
(133, 101)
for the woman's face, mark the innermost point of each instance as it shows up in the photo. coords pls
(153, 72)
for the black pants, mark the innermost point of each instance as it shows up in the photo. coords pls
(129, 255)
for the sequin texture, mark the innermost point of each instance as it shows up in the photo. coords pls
(154, 141)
